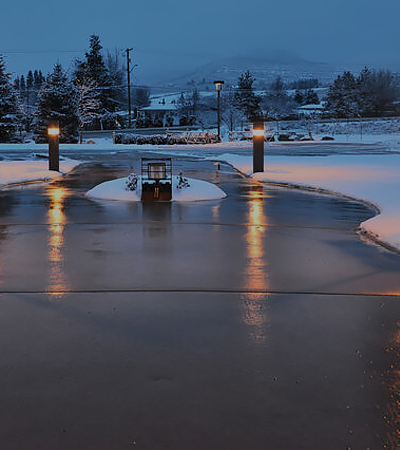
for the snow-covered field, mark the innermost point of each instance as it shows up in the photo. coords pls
(374, 179)
(197, 190)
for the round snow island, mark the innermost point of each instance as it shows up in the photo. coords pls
(129, 189)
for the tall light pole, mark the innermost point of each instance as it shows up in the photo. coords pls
(218, 87)
(128, 62)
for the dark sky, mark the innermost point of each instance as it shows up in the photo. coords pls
(184, 33)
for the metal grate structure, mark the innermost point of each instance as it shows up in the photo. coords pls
(156, 175)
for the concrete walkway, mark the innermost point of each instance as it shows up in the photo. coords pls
(258, 321)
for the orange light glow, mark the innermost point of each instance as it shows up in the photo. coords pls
(53, 131)
(258, 133)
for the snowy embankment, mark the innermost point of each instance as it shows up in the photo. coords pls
(197, 190)
(374, 179)
(12, 172)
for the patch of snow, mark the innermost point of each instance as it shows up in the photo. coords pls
(198, 190)
(374, 179)
(12, 172)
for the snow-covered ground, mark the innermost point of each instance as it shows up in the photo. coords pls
(12, 172)
(374, 179)
(197, 190)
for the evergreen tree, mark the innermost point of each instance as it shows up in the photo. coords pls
(22, 88)
(385, 92)
(298, 97)
(342, 96)
(195, 99)
(57, 100)
(311, 98)
(29, 87)
(95, 67)
(245, 98)
(9, 116)
(365, 93)
(372, 93)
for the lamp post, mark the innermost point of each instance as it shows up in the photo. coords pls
(218, 87)
(53, 133)
(258, 147)
(128, 61)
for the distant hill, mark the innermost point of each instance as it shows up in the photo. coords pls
(265, 70)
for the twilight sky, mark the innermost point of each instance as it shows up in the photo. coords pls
(183, 34)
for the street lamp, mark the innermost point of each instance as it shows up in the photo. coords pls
(53, 133)
(258, 147)
(218, 87)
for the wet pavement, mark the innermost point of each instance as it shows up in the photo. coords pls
(257, 321)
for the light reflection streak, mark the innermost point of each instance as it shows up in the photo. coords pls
(216, 213)
(254, 303)
(58, 283)
(391, 380)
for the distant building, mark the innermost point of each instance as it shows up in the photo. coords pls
(162, 111)
(308, 110)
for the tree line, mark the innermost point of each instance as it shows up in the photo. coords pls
(371, 93)
(95, 93)
(90, 98)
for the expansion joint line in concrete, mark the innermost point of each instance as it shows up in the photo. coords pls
(200, 291)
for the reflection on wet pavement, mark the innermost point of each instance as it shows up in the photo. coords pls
(56, 246)
(256, 270)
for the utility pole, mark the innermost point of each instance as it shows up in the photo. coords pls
(128, 61)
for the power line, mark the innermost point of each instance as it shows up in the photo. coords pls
(33, 52)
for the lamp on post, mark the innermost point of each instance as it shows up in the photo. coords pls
(53, 133)
(258, 147)
(218, 87)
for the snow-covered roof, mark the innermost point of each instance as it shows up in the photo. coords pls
(169, 102)
(312, 107)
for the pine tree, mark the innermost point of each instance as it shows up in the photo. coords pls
(342, 96)
(195, 99)
(299, 97)
(245, 98)
(57, 100)
(29, 88)
(9, 116)
(365, 93)
(22, 88)
(372, 93)
(311, 98)
(95, 67)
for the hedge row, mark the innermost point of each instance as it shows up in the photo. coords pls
(159, 139)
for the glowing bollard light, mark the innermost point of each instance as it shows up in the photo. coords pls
(258, 147)
(53, 133)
